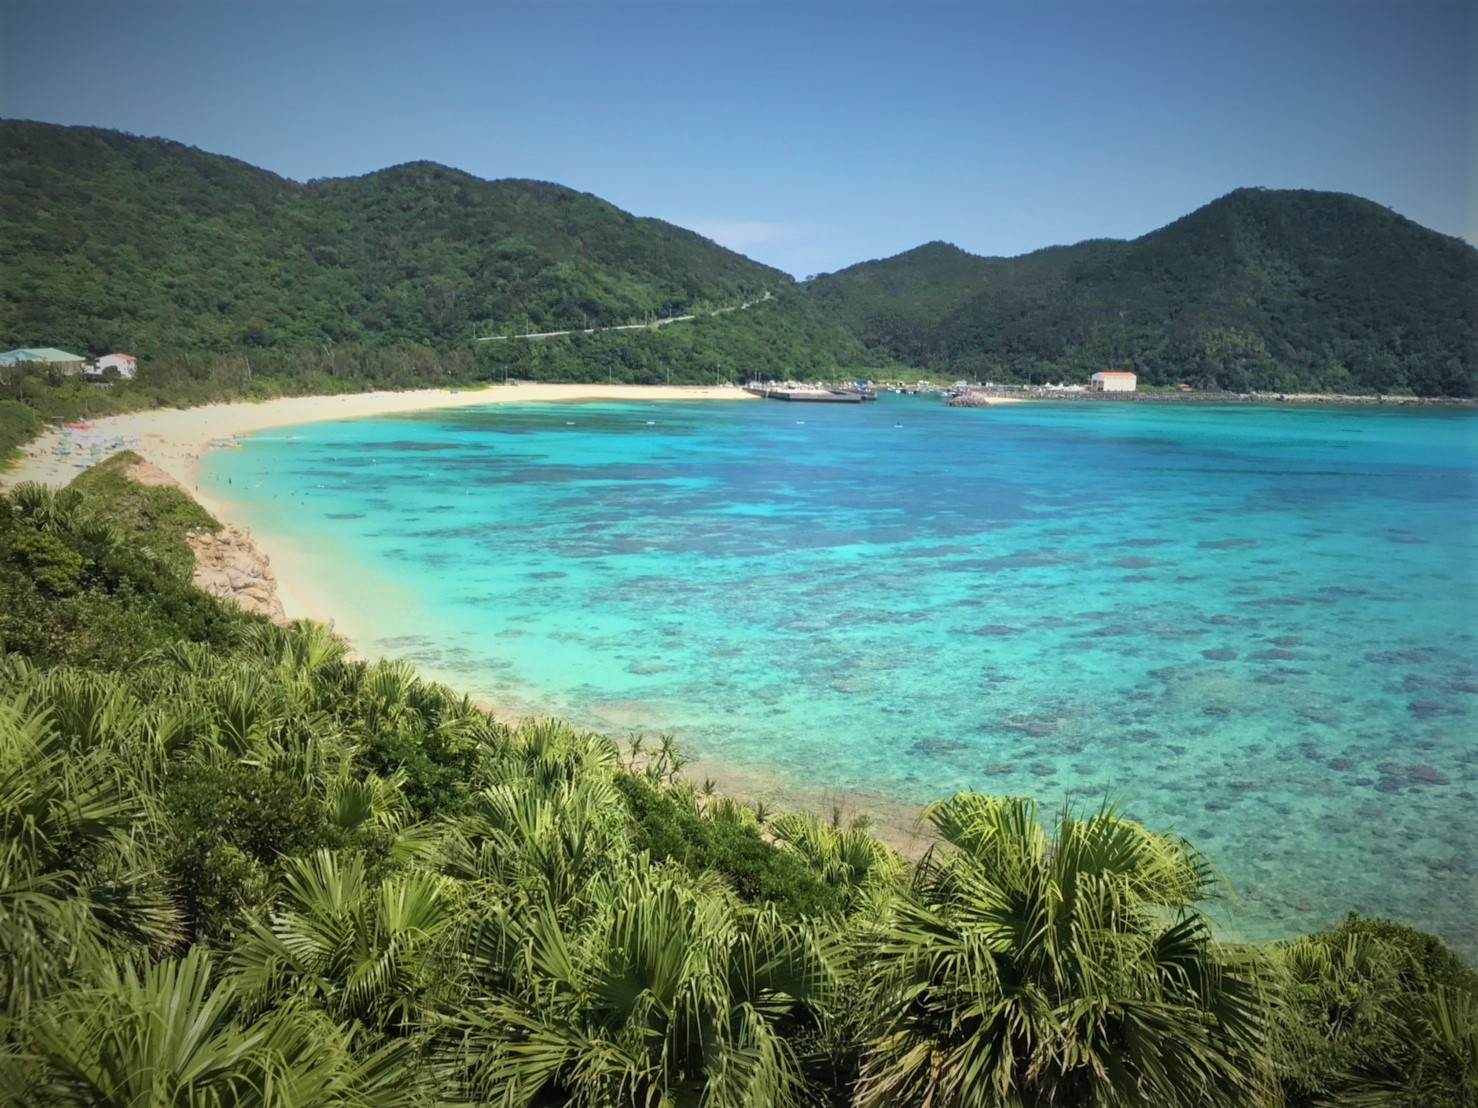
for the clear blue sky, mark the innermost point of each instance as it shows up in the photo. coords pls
(806, 134)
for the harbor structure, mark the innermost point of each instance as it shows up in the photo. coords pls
(1113, 380)
(815, 394)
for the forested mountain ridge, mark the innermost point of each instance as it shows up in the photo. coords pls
(110, 241)
(1261, 289)
(119, 242)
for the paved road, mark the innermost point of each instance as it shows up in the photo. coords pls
(623, 327)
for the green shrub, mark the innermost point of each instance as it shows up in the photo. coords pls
(55, 568)
(156, 517)
(19, 424)
(757, 870)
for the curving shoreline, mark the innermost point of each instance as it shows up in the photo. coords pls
(174, 440)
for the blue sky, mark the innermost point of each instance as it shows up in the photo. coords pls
(806, 134)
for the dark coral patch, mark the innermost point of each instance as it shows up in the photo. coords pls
(1426, 709)
(935, 746)
(1409, 656)
(1426, 775)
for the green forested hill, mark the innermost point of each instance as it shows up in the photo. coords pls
(1258, 290)
(110, 241)
(118, 242)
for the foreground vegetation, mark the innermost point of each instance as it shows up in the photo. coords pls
(238, 867)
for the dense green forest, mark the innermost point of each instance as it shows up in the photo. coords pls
(115, 242)
(231, 281)
(1261, 290)
(239, 867)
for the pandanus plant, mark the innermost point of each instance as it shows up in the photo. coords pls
(78, 881)
(1064, 969)
(667, 993)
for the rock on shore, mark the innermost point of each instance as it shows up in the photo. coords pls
(969, 400)
(228, 565)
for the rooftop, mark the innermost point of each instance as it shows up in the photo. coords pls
(38, 354)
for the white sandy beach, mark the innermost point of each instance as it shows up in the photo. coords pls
(174, 440)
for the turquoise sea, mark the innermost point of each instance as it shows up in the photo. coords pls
(1254, 626)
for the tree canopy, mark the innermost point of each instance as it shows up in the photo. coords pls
(1260, 290)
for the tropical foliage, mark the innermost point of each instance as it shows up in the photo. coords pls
(148, 246)
(1260, 290)
(230, 282)
(1063, 970)
(240, 867)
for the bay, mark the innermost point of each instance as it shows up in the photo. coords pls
(1254, 626)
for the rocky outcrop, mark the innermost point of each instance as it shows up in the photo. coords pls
(147, 473)
(228, 565)
(969, 400)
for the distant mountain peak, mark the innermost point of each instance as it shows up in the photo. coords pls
(1267, 289)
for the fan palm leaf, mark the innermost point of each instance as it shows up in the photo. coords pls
(1061, 970)
(76, 873)
(359, 952)
(166, 1034)
(667, 993)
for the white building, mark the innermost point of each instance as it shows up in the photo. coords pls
(1113, 381)
(126, 364)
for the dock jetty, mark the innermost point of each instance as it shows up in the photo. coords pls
(811, 394)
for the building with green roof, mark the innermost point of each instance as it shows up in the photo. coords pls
(44, 355)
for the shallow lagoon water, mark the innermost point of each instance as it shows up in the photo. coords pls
(1253, 626)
